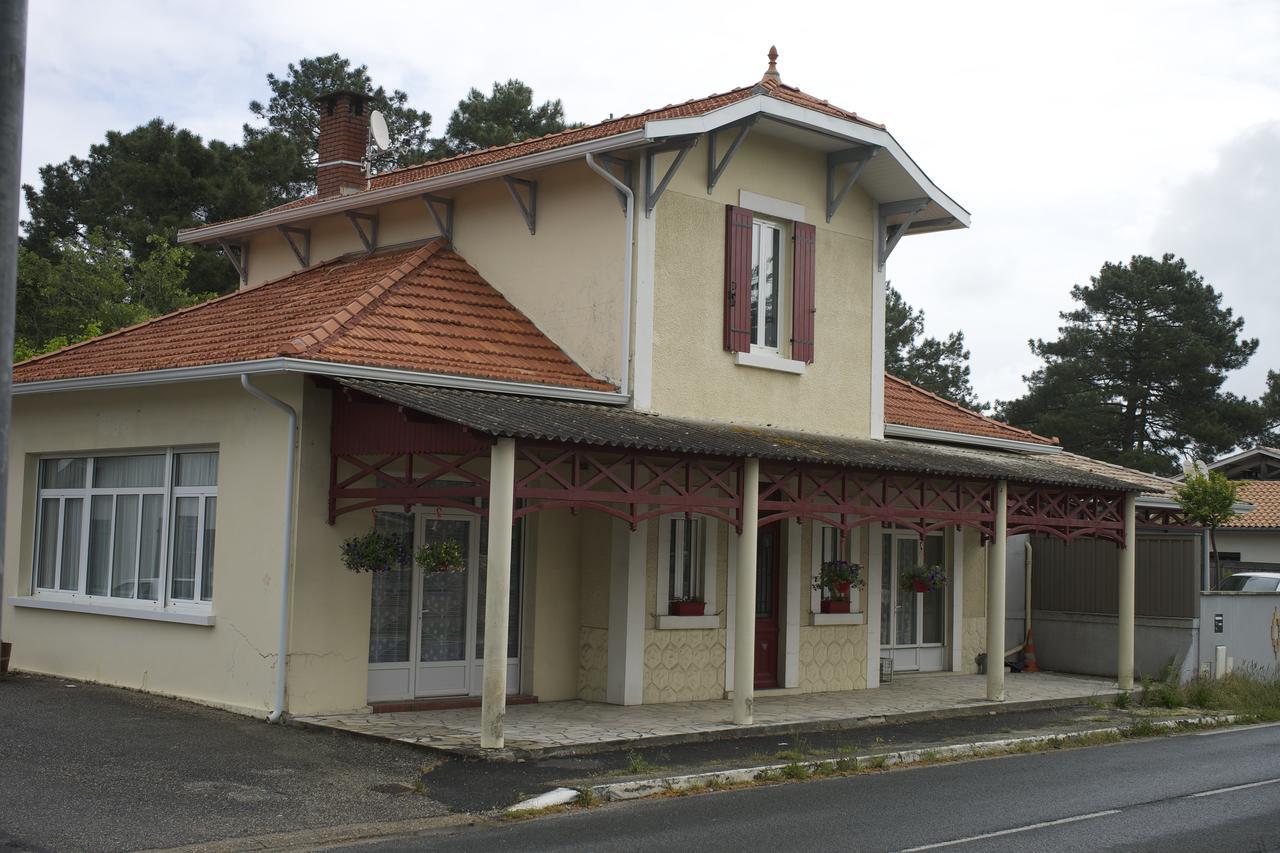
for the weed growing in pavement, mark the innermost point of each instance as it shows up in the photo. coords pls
(1249, 690)
(797, 753)
(637, 763)
(1121, 701)
(795, 771)
(877, 762)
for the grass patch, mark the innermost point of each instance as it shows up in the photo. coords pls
(1251, 691)
(797, 753)
(1121, 701)
(877, 762)
(637, 763)
(795, 771)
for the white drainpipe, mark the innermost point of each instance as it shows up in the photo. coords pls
(287, 552)
(625, 353)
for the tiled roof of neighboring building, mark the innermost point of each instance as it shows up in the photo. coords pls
(423, 309)
(910, 405)
(1161, 487)
(601, 130)
(1265, 497)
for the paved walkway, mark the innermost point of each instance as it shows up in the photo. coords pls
(576, 726)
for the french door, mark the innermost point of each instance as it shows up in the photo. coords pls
(427, 628)
(912, 624)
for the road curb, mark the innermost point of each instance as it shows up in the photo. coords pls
(640, 788)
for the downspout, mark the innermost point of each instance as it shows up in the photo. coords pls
(287, 552)
(1026, 613)
(625, 343)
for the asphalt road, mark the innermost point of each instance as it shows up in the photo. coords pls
(1216, 791)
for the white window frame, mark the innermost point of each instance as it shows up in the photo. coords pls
(709, 533)
(165, 607)
(758, 330)
(852, 548)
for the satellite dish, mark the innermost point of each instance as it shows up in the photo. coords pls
(378, 125)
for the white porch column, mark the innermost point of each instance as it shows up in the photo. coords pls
(1128, 562)
(995, 596)
(497, 592)
(624, 680)
(744, 634)
(957, 600)
(875, 557)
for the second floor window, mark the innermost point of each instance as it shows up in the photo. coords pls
(766, 284)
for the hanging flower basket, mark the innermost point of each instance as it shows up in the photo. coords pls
(923, 578)
(836, 581)
(444, 556)
(374, 551)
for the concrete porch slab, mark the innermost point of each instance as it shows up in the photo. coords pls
(576, 727)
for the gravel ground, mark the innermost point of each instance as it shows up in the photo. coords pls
(85, 767)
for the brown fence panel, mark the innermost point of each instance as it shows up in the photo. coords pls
(1081, 576)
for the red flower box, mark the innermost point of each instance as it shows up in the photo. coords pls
(921, 586)
(832, 606)
(688, 608)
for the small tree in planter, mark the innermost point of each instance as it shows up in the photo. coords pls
(1208, 498)
(374, 551)
(443, 556)
(836, 580)
(923, 578)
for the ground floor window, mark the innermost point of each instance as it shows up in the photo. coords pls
(128, 527)
(686, 564)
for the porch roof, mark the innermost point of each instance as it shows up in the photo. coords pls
(541, 419)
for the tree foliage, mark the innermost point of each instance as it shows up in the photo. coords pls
(1207, 498)
(940, 366)
(94, 286)
(291, 110)
(1135, 376)
(506, 115)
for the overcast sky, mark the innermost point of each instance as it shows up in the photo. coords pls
(1075, 133)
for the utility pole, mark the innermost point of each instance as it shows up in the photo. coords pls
(13, 73)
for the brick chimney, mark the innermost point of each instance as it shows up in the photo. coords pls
(344, 134)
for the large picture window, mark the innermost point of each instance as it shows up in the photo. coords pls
(136, 527)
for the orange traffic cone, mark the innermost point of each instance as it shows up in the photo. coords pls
(1029, 653)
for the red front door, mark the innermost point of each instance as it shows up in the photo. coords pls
(768, 571)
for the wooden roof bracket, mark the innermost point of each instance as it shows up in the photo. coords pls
(368, 237)
(441, 210)
(890, 235)
(301, 251)
(239, 259)
(716, 170)
(528, 209)
(628, 173)
(681, 146)
(857, 157)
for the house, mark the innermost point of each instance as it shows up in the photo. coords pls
(629, 366)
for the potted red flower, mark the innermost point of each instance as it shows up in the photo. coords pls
(687, 606)
(836, 581)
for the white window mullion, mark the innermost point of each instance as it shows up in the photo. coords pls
(167, 517)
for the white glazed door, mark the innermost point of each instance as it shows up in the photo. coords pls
(912, 624)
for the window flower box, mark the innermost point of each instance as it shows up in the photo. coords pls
(687, 608)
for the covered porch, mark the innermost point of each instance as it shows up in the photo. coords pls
(578, 726)
(773, 498)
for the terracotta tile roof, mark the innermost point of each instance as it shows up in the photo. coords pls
(1265, 497)
(910, 405)
(611, 127)
(421, 308)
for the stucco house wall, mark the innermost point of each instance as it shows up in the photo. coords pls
(230, 663)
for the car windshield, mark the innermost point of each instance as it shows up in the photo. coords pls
(1248, 583)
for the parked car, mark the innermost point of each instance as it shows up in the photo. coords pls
(1251, 582)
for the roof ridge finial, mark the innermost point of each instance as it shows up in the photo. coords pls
(772, 72)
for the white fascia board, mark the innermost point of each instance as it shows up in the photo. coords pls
(321, 368)
(373, 198)
(1243, 454)
(924, 434)
(813, 120)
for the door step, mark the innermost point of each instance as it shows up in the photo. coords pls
(444, 703)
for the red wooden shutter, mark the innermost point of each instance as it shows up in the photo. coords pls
(737, 279)
(802, 305)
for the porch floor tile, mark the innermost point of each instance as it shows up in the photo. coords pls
(578, 726)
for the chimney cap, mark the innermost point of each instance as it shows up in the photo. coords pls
(335, 94)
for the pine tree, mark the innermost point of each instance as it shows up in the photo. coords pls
(507, 115)
(1135, 376)
(940, 366)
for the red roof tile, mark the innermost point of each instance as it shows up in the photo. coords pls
(1265, 497)
(611, 127)
(423, 309)
(909, 405)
